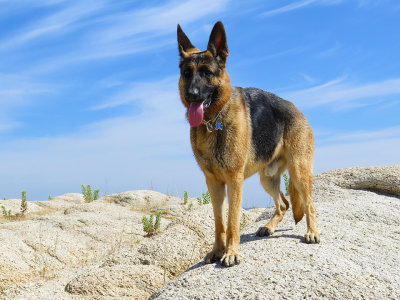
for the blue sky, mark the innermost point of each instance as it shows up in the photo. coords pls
(88, 89)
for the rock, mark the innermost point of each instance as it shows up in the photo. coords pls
(144, 199)
(118, 281)
(384, 180)
(358, 256)
(69, 249)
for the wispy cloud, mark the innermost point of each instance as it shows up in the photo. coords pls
(298, 5)
(130, 152)
(366, 152)
(344, 94)
(308, 78)
(357, 136)
(15, 89)
(159, 19)
(5, 126)
(60, 21)
(148, 93)
(330, 51)
(286, 8)
(107, 34)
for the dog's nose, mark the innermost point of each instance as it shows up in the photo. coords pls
(194, 94)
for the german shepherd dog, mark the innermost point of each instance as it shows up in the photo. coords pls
(236, 132)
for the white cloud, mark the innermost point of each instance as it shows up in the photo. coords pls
(152, 150)
(344, 95)
(5, 126)
(149, 93)
(59, 23)
(286, 8)
(387, 133)
(124, 32)
(19, 90)
(134, 152)
(368, 152)
(156, 20)
(298, 5)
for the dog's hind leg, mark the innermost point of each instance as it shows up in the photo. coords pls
(217, 192)
(271, 185)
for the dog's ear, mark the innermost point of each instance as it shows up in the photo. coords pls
(183, 42)
(217, 44)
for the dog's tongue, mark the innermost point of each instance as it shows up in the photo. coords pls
(196, 114)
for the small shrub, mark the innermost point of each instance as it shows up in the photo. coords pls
(50, 198)
(151, 227)
(88, 195)
(5, 198)
(190, 206)
(96, 194)
(24, 203)
(286, 179)
(185, 197)
(206, 198)
(6, 213)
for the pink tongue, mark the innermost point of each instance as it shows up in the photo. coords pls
(195, 114)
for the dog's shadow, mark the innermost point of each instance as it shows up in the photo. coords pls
(251, 237)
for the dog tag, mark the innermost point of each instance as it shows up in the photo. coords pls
(209, 127)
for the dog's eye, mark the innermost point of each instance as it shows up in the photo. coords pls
(187, 73)
(206, 72)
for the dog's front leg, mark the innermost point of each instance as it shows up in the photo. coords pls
(217, 192)
(231, 255)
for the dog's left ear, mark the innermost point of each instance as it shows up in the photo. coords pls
(217, 44)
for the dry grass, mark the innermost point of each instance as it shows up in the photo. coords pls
(29, 216)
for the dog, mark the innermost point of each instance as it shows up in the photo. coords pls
(237, 132)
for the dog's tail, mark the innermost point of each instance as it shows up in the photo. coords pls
(298, 202)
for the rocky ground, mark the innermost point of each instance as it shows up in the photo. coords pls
(68, 249)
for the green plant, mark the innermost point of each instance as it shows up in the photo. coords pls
(24, 203)
(50, 198)
(5, 198)
(185, 197)
(150, 226)
(206, 198)
(6, 213)
(286, 179)
(88, 195)
(190, 206)
(96, 194)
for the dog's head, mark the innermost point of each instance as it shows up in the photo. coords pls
(204, 84)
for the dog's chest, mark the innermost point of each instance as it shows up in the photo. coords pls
(216, 150)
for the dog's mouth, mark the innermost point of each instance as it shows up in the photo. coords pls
(207, 103)
(196, 112)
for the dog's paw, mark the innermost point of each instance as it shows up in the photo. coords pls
(312, 237)
(213, 256)
(230, 258)
(264, 231)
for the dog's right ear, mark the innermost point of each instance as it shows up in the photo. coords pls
(183, 42)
